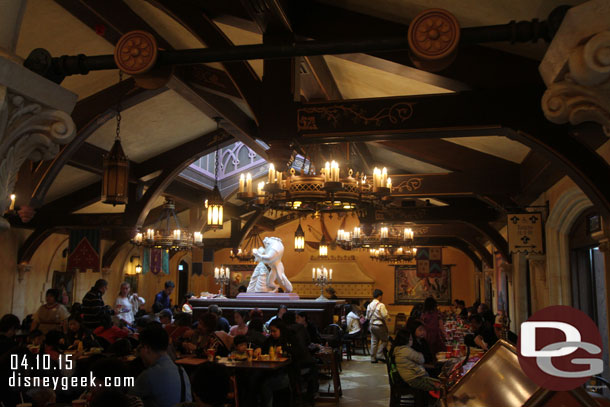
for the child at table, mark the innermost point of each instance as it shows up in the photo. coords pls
(240, 348)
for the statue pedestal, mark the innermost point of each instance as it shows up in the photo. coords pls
(268, 296)
(319, 312)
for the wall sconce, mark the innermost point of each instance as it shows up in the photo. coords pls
(138, 267)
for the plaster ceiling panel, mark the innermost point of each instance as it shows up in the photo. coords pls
(397, 163)
(48, 25)
(359, 81)
(243, 37)
(68, 180)
(168, 28)
(498, 146)
(155, 126)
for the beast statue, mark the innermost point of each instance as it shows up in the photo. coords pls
(264, 280)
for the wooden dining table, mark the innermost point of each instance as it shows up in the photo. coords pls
(237, 364)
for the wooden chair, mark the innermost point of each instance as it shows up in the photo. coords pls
(329, 365)
(401, 322)
(401, 394)
(362, 341)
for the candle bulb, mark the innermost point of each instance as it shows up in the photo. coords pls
(227, 271)
(249, 183)
(330, 274)
(12, 207)
(389, 183)
(327, 171)
(384, 177)
(198, 237)
(216, 272)
(313, 273)
(271, 179)
(242, 181)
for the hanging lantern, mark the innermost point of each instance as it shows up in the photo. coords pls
(139, 269)
(115, 182)
(214, 205)
(116, 176)
(323, 250)
(299, 239)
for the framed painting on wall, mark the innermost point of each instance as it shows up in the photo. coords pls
(413, 287)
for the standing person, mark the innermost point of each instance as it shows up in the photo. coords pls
(93, 304)
(126, 303)
(52, 315)
(163, 383)
(280, 312)
(162, 300)
(378, 316)
(435, 331)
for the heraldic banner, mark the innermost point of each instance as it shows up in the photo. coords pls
(84, 250)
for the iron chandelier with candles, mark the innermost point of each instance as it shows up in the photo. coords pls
(315, 193)
(168, 233)
(245, 253)
(386, 242)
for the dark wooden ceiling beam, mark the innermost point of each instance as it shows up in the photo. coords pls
(192, 16)
(89, 115)
(478, 66)
(451, 156)
(236, 121)
(439, 185)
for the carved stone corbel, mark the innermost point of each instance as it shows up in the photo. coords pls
(576, 68)
(538, 267)
(34, 122)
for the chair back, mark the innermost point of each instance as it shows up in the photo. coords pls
(364, 329)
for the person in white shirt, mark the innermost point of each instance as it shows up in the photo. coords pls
(126, 304)
(353, 322)
(378, 316)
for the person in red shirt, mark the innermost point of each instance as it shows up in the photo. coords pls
(109, 331)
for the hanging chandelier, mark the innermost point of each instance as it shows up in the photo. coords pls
(323, 192)
(394, 255)
(115, 179)
(246, 252)
(214, 203)
(168, 233)
(385, 243)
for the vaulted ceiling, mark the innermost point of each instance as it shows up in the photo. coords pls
(475, 169)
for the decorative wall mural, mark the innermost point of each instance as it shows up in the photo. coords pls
(413, 287)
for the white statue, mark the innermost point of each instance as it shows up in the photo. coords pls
(263, 280)
(258, 281)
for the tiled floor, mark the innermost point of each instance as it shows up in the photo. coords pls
(364, 383)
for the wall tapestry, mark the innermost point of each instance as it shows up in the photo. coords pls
(413, 286)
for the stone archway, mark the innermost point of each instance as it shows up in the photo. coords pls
(564, 213)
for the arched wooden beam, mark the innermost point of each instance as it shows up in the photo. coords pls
(32, 243)
(89, 115)
(172, 163)
(494, 237)
(113, 251)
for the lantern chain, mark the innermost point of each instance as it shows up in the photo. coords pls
(118, 110)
